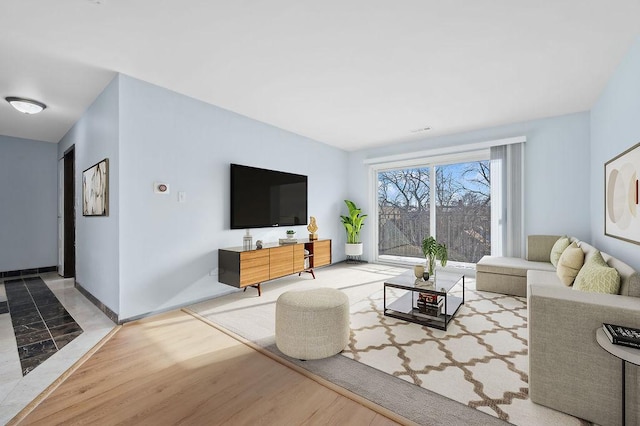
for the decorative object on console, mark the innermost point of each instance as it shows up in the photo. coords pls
(288, 240)
(312, 228)
(259, 244)
(247, 241)
(353, 224)
(433, 250)
(95, 189)
(290, 233)
(621, 219)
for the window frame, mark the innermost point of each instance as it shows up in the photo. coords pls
(432, 162)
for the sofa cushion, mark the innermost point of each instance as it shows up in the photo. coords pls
(597, 277)
(569, 264)
(539, 247)
(510, 265)
(557, 249)
(544, 279)
(629, 278)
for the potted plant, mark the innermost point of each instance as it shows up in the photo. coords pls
(290, 233)
(433, 250)
(352, 224)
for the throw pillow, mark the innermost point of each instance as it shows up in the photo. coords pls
(597, 277)
(557, 249)
(569, 264)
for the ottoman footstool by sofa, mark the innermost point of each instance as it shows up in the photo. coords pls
(312, 324)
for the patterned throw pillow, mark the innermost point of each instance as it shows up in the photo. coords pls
(557, 249)
(597, 277)
(569, 264)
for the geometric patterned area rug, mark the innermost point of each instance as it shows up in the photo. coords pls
(481, 360)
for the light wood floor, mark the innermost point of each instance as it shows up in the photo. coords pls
(175, 369)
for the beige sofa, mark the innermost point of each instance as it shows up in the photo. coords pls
(568, 370)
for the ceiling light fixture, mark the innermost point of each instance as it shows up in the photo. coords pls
(26, 106)
(422, 129)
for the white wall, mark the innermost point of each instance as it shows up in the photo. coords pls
(95, 137)
(167, 249)
(615, 127)
(28, 212)
(557, 172)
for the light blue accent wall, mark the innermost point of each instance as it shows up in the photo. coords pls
(96, 136)
(615, 127)
(556, 171)
(168, 249)
(28, 212)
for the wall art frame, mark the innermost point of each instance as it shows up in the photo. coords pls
(95, 189)
(621, 196)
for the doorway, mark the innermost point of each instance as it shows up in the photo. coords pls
(68, 262)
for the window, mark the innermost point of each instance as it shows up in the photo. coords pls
(451, 201)
(403, 211)
(463, 210)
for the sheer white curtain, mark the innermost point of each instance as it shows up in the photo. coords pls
(507, 212)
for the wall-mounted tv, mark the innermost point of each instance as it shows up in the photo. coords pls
(261, 198)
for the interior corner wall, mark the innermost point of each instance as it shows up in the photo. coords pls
(615, 127)
(28, 217)
(169, 249)
(96, 137)
(556, 199)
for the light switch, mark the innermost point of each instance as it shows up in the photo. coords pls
(182, 197)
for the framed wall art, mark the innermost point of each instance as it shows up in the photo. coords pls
(95, 189)
(621, 216)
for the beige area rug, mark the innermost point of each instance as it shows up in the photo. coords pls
(481, 360)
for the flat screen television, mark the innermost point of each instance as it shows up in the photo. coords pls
(262, 198)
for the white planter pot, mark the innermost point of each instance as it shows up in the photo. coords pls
(353, 249)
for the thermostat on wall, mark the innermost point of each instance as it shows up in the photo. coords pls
(160, 188)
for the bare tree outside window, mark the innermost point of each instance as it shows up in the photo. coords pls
(463, 210)
(403, 208)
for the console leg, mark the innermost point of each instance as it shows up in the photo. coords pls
(255, 286)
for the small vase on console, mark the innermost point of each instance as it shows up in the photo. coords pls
(418, 271)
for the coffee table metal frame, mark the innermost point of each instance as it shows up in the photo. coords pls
(405, 307)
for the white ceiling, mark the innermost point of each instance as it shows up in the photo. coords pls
(350, 73)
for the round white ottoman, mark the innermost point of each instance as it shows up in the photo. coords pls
(312, 324)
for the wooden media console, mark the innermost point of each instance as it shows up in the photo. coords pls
(250, 268)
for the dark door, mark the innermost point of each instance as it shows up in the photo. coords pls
(69, 214)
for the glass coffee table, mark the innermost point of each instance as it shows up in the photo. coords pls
(425, 302)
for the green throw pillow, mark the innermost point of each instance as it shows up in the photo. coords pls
(557, 249)
(597, 277)
(570, 264)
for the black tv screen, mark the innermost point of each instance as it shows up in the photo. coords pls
(261, 198)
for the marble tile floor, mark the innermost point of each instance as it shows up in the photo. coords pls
(41, 324)
(16, 390)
